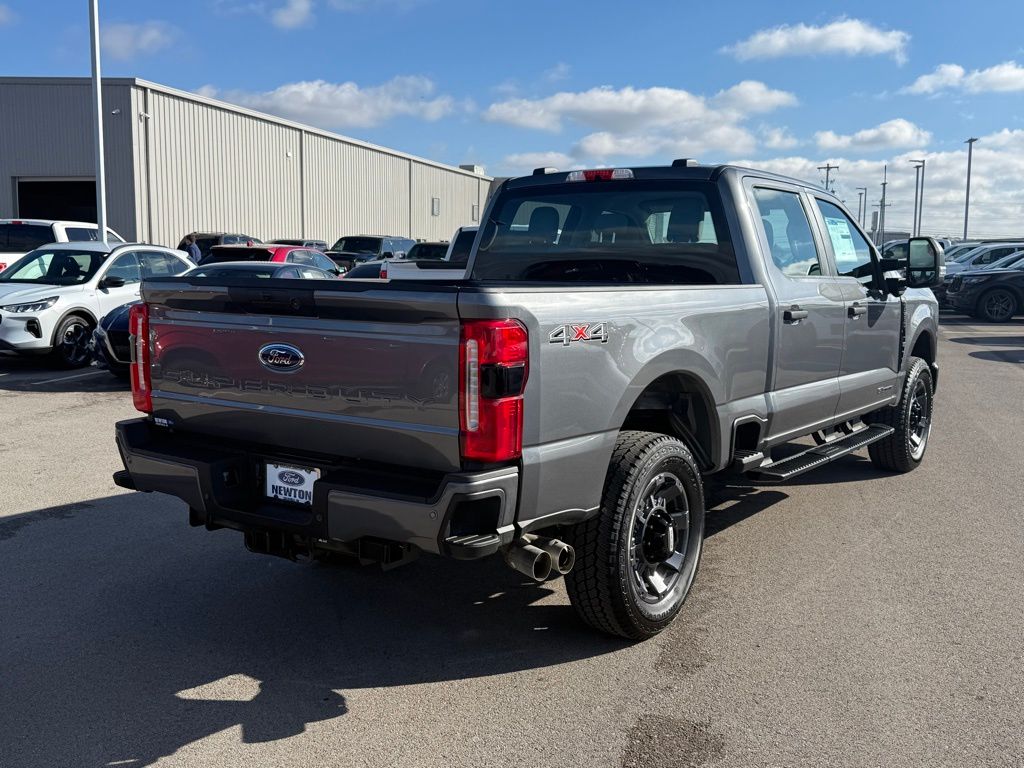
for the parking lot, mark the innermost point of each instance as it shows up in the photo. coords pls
(850, 618)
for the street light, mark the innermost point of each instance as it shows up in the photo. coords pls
(97, 97)
(915, 228)
(863, 212)
(967, 197)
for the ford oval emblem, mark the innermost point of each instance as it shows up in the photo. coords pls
(290, 478)
(281, 358)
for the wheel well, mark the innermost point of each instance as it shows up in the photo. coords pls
(924, 348)
(677, 404)
(77, 312)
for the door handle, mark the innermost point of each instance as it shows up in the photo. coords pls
(794, 314)
(856, 310)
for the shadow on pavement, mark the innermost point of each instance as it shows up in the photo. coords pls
(113, 608)
(38, 375)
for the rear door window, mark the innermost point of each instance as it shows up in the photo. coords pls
(19, 238)
(788, 232)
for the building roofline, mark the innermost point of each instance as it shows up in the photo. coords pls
(137, 82)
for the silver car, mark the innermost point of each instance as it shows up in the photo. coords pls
(51, 298)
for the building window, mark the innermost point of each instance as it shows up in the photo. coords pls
(476, 212)
(435, 206)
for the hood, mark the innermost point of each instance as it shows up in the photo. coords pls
(21, 293)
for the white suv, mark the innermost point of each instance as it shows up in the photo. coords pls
(19, 236)
(52, 298)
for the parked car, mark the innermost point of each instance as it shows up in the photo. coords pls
(959, 250)
(980, 256)
(316, 245)
(427, 252)
(285, 254)
(52, 297)
(995, 295)
(368, 270)
(111, 340)
(19, 236)
(207, 240)
(352, 250)
(451, 267)
(625, 333)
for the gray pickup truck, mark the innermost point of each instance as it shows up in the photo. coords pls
(621, 335)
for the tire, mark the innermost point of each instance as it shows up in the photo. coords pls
(997, 306)
(631, 575)
(71, 342)
(904, 449)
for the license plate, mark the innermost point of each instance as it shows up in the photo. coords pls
(294, 484)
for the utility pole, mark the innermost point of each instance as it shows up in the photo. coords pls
(863, 192)
(881, 205)
(97, 97)
(967, 197)
(920, 206)
(828, 168)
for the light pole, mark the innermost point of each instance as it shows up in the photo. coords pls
(863, 192)
(882, 206)
(967, 197)
(860, 205)
(97, 98)
(915, 227)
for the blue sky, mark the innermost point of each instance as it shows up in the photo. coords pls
(577, 83)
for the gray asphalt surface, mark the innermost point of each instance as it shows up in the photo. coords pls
(851, 618)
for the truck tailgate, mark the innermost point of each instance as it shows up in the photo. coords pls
(355, 371)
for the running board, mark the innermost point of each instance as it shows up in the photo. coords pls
(788, 468)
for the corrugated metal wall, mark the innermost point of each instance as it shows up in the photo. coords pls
(178, 163)
(46, 131)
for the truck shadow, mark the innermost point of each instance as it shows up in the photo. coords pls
(998, 355)
(38, 375)
(128, 635)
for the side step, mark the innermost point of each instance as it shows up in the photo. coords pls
(812, 458)
(472, 546)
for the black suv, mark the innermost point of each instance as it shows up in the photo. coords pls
(356, 249)
(995, 295)
(206, 241)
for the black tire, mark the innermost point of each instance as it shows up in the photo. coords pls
(626, 552)
(71, 342)
(904, 449)
(997, 306)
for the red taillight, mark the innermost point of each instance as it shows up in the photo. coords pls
(493, 368)
(2, 266)
(384, 271)
(138, 327)
(601, 174)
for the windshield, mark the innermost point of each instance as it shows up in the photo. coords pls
(21, 238)
(1007, 261)
(233, 253)
(51, 267)
(969, 254)
(358, 245)
(952, 254)
(427, 252)
(669, 231)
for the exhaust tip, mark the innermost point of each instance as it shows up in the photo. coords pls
(542, 566)
(566, 559)
(530, 561)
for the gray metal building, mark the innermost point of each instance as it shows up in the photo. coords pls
(179, 162)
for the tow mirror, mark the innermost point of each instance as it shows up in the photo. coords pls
(925, 265)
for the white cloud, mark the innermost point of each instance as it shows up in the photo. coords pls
(346, 105)
(777, 138)
(128, 41)
(558, 73)
(850, 37)
(645, 122)
(997, 185)
(293, 14)
(1000, 78)
(352, 6)
(6, 15)
(524, 162)
(892, 134)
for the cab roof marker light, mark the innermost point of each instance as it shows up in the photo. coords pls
(601, 174)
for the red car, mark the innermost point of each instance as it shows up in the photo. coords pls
(287, 254)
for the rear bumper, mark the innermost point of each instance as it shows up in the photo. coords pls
(223, 487)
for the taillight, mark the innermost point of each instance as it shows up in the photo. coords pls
(138, 327)
(384, 271)
(493, 368)
(601, 174)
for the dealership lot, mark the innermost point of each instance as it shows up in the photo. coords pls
(850, 618)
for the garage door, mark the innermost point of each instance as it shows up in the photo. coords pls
(74, 200)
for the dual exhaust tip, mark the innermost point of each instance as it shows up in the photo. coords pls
(538, 556)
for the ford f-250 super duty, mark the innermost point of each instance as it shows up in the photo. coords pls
(621, 335)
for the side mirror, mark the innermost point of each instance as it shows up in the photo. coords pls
(112, 281)
(925, 266)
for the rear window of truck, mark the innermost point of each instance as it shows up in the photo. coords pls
(670, 232)
(24, 237)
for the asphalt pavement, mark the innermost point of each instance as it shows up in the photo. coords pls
(851, 618)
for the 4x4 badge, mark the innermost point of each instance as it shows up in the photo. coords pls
(567, 334)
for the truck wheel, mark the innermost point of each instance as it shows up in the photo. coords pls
(636, 560)
(903, 450)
